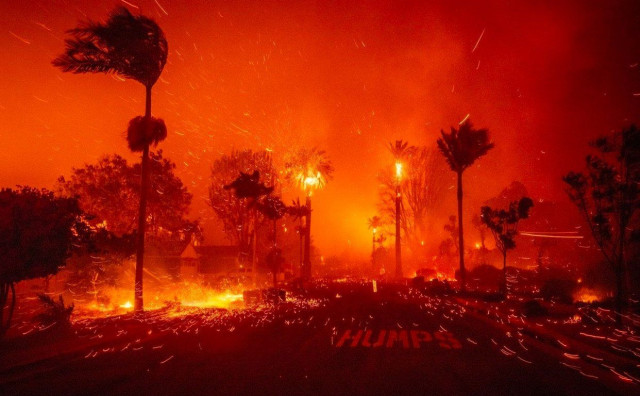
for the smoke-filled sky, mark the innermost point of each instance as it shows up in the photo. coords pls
(347, 76)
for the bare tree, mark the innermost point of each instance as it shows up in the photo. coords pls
(504, 227)
(608, 196)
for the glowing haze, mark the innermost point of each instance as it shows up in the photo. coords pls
(346, 76)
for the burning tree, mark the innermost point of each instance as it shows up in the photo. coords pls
(423, 187)
(608, 196)
(37, 234)
(401, 152)
(461, 148)
(134, 47)
(309, 169)
(504, 227)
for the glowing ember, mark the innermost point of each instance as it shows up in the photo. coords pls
(127, 305)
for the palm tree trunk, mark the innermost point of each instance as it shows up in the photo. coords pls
(398, 241)
(142, 214)
(463, 275)
(306, 265)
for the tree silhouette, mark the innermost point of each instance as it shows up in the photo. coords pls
(134, 47)
(504, 227)
(235, 215)
(37, 234)
(608, 196)
(109, 190)
(309, 169)
(452, 229)
(298, 211)
(274, 209)
(477, 223)
(248, 187)
(461, 148)
(401, 151)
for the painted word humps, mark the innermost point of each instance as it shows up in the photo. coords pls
(397, 338)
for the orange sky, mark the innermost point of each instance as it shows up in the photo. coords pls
(344, 75)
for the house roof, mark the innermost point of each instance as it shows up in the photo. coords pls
(217, 251)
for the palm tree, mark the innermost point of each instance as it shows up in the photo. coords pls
(401, 151)
(461, 148)
(134, 47)
(310, 169)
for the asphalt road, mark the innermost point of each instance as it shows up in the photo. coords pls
(345, 341)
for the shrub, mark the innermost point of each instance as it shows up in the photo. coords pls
(55, 312)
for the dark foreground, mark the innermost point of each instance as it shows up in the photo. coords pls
(345, 340)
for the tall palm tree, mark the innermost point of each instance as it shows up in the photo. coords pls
(310, 169)
(401, 151)
(461, 148)
(134, 47)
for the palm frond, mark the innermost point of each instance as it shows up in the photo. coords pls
(463, 146)
(132, 46)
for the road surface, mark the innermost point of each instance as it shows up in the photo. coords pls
(343, 340)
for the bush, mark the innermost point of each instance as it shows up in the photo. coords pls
(533, 308)
(560, 290)
(55, 313)
(485, 276)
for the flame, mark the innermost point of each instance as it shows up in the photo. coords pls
(398, 170)
(115, 301)
(587, 295)
(311, 181)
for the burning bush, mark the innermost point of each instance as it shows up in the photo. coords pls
(588, 295)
